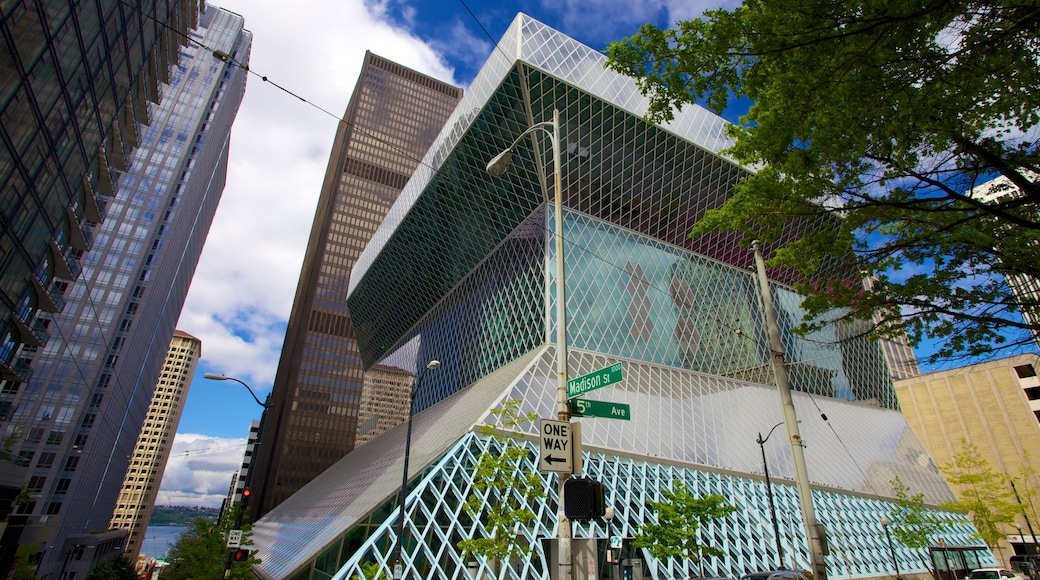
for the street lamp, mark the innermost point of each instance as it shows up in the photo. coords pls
(769, 491)
(497, 167)
(240, 512)
(216, 377)
(398, 567)
(891, 549)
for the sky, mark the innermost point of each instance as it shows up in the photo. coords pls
(243, 289)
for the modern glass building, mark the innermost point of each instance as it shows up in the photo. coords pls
(390, 122)
(75, 423)
(463, 271)
(75, 87)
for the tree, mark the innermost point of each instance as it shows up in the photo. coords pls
(871, 121)
(983, 493)
(504, 490)
(200, 552)
(679, 516)
(914, 525)
(118, 568)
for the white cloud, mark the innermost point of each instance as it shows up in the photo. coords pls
(243, 288)
(200, 470)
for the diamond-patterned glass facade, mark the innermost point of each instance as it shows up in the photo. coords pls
(463, 271)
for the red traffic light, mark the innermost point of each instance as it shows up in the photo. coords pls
(245, 492)
(241, 555)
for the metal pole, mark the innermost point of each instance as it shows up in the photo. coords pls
(769, 493)
(816, 559)
(563, 530)
(399, 565)
(1029, 525)
(891, 549)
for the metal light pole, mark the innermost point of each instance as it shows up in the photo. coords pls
(241, 508)
(399, 565)
(891, 549)
(1024, 516)
(497, 167)
(769, 491)
(801, 474)
(216, 377)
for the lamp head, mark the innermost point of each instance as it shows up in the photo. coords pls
(884, 522)
(433, 364)
(215, 377)
(499, 164)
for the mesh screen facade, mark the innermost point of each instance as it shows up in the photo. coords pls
(392, 119)
(463, 271)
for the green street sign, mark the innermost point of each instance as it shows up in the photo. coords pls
(594, 380)
(602, 409)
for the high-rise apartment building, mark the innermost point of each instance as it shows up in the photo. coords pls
(393, 117)
(148, 463)
(464, 271)
(994, 406)
(80, 415)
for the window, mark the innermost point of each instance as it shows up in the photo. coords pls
(1025, 371)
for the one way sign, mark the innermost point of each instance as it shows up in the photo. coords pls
(556, 446)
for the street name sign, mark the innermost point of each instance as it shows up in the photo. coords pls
(594, 380)
(556, 451)
(602, 409)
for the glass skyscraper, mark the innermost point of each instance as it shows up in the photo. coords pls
(76, 421)
(393, 117)
(463, 271)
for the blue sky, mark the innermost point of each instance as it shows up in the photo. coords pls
(243, 289)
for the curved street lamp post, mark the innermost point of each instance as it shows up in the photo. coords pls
(769, 492)
(399, 565)
(891, 550)
(497, 167)
(241, 509)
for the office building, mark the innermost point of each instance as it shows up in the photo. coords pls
(994, 406)
(392, 118)
(148, 463)
(92, 383)
(463, 271)
(74, 99)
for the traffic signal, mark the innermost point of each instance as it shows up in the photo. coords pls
(583, 499)
(245, 496)
(241, 555)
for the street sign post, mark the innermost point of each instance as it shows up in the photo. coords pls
(602, 409)
(594, 380)
(556, 452)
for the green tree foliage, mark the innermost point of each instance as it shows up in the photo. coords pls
(118, 568)
(201, 552)
(914, 525)
(882, 114)
(983, 493)
(679, 516)
(504, 490)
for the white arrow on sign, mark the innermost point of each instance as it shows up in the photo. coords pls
(555, 446)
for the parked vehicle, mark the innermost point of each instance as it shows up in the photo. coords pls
(996, 574)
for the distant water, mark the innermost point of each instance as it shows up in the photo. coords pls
(158, 539)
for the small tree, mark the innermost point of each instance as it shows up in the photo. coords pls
(983, 493)
(679, 516)
(914, 525)
(503, 492)
(118, 568)
(201, 551)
